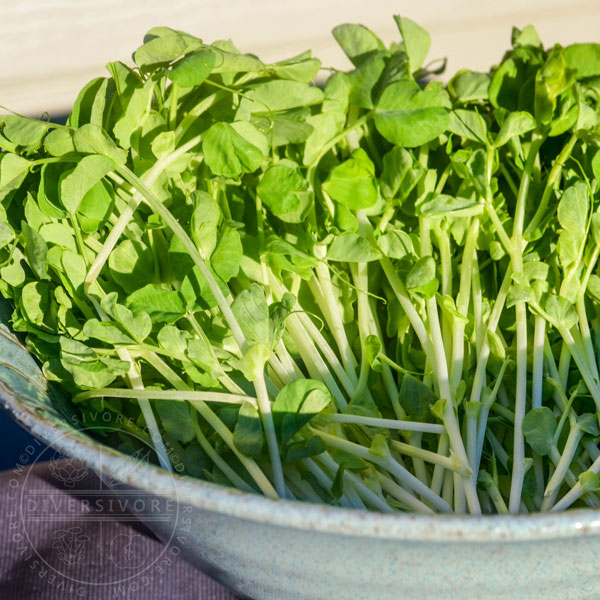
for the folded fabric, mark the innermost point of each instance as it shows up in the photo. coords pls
(62, 535)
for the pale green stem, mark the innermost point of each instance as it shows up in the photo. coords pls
(569, 451)
(451, 462)
(539, 337)
(385, 423)
(462, 306)
(392, 488)
(388, 463)
(151, 394)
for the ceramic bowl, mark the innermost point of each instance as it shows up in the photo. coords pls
(283, 550)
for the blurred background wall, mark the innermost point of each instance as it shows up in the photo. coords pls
(50, 48)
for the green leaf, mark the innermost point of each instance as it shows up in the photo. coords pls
(561, 311)
(588, 423)
(408, 116)
(96, 206)
(253, 361)
(226, 258)
(305, 448)
(36, 250)
(279, 95)
(227, 153)
(248, 434)
(449, 206)
(36, 301)
(351, 247)
(302, 68)
(59, 235)
(283, 190)
(573, 207)
(296, 404)
(13, 170)
(204, 223)
(584, 58)
(516, 124)
(130, 263)
(352, 182)
(416, 399)
(468, 86)
(539, 426)
(193, 69)
(252, 313)
(59, 142)
(357, 41)
(416, 41)
(589, 481)
(132, 119)
(23, 131)
(396, 166)
(396, 244)
(163, 45)
(91, 139)
(106, 331)
(161, 305)
(593, 287)
(422, 277)
(468, 124)
(86, 174)
(372, 352)
(177, 419)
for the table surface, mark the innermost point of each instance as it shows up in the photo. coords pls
(51, 48)
(58, 541)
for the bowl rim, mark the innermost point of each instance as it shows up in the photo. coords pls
(325, 519)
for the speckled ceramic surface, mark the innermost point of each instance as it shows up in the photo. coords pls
(293, 551)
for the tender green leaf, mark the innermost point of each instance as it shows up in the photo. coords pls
(130, 263)
(416, 399)
(357, 41)
(193, 69)
(304, 449)
(177, 419)
(106, 331)
(227, 153)
(352, 182)
(283, 190)
(36, 250)
(539, 425)
(584, 58)
(248, 434)
(278, 95)
(416, 41)
(396, 244)
(352, 247)
(91, 139)
(408, 116)
(573, 208)
(516, 124)
(13, 170)
(296, 404)
(468, 124)
(23, 131)
(87, 173)
(227, 255)
(161, 305)
(252, 313)
(422, 277)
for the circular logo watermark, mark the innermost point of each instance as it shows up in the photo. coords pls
(76, 530)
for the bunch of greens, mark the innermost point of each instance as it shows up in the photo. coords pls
(376, 294)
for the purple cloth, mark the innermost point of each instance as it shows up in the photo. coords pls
(57, 541)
